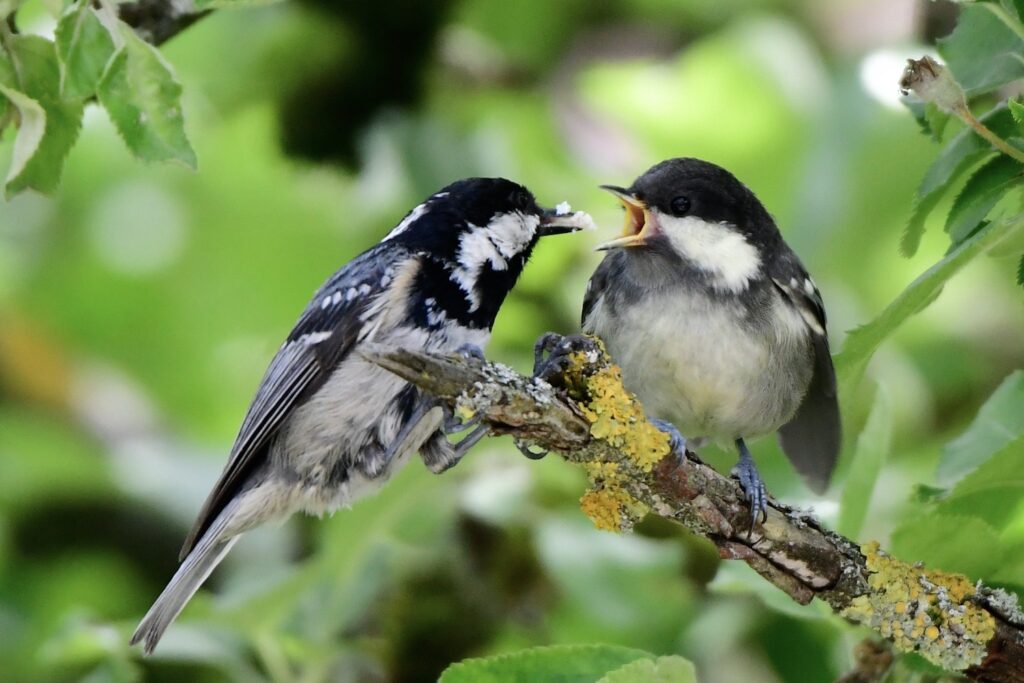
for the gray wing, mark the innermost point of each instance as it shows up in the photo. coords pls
(322, 338)
(810, 440)
(596, 287)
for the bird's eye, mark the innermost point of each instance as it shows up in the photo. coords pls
(522, 200)
(680, 206)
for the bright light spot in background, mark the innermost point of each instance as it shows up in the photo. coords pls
(138, 229)
(880, 74)
(784, 51)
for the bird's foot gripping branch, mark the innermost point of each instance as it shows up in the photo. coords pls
(585, 413)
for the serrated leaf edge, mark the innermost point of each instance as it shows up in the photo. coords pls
(26, 143)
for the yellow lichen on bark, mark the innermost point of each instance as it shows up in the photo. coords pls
(606, 509)
(607, 504)
(616, 417)
(924, 611)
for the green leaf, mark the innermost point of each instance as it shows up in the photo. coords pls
(139, 91)
(556, 664)
(937, 120)
(931, 119)
(992, 491)
(1020, 272)
(983, 52)
(982, 191)
(949, 542)
(1017, 110)
(923, 493)
(672, 669)
(1000, 421)
(873, 447)
(54, 7)
(31, 127)
(7, 77)
(1008, 12)
(84, 46)
(861, 343)
(963, 151)
(38, 77)
(9, 7)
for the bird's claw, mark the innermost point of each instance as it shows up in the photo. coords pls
(754, 488)
(545, 345)
(471, 352)
(676, 441)
(453, 424)
(524, 448)
(559, 349)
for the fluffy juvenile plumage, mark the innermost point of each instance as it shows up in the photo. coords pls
(326, 426)
(717, 326)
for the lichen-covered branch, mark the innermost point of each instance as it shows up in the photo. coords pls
(586, 415)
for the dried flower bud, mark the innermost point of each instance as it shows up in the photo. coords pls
(933, 82)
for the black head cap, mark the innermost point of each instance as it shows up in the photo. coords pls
(468, 204)
(692, 187)
(477, 235)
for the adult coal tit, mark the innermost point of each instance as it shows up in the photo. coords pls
(717, 326)
(326, 426)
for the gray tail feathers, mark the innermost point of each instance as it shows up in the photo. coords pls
(198, 565)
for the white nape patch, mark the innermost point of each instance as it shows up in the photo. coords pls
(413, 216)
(410, 218)
(716, 248)
(563, 209)
(505, 236)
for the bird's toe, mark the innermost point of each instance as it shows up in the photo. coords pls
(676, 441)
(525, 449)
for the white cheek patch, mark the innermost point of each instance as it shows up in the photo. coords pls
(715, 248)
(512, 232)
(503, 238)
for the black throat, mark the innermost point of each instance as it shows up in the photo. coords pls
(437, 291)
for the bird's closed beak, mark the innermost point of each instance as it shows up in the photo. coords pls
(562, 219)
(639, 222)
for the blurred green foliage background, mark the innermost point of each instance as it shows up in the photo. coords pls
(139, 307)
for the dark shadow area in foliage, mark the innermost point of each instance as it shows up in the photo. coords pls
(323, 115)
(117, 527)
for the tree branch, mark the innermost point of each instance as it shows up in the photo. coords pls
(157, 21)
(592, 420)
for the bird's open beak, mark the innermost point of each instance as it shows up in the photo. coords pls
(639, 222)
(562, 219)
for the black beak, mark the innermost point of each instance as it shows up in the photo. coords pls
(619, 192)
(554, 223)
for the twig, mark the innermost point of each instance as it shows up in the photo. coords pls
(592, 420)
(934, 83)
(157, 21)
